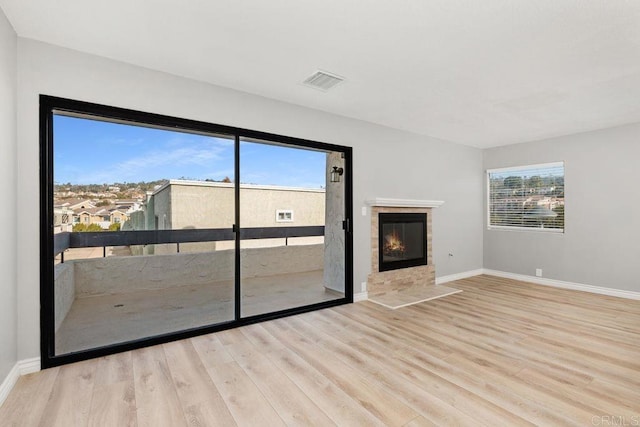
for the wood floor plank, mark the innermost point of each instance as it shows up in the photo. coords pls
(155, 393)
(246, 403)
(502, 352)
(113, 401)
(516, 353)
(417, 357)
(589, 398)
(371, 395)
(365, 353)
(337, 404)
(420, 421)
(291, 404)
(113, 404)
(114, 368)
(194, 386)
(206, 413)
(33, 388)
(70, 404)
(211, 351)
(544, 324)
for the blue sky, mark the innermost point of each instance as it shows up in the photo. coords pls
(542, 172)
(96, 152)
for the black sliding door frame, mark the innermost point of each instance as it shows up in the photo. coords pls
(49, 105)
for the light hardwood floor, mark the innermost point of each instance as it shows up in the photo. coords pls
(501, 353)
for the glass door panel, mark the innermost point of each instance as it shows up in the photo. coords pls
(143, 238)
(292, 240)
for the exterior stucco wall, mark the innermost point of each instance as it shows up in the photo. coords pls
(64, 291)
(334, 243)
(199, 204)
(112, 275)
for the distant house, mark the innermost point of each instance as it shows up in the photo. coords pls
(89, 216)
(103, 216)
(128, 203)
(118, 215)
(547, 202)
(75, 204)
(62, 219)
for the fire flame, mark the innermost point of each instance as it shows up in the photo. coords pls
(393, 243)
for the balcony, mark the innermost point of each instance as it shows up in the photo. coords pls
(119, 297)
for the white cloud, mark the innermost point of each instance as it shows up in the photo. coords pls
(174, 158)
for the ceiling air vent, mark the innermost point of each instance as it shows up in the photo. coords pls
(322, 80)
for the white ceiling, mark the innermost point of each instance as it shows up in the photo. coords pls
(481, 73)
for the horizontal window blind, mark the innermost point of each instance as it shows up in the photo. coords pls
(527, 197)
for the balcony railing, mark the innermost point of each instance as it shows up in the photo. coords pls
(67, 240)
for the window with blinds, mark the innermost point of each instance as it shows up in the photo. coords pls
(527, 197)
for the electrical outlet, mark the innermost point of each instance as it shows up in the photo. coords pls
(364, 211)
(538, 272)
(363, 286)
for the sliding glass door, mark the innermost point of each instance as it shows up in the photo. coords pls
(287, 205)
(156, 228)
(138, 250)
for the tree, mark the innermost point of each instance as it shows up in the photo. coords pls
(513, 182)
(534, 182)
(114, 227)
(80, 228)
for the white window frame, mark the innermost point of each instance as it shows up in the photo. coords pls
(488, 173)
(284, 212)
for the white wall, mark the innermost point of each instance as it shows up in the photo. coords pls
(387, 163)
(600, 245)
(8, 45)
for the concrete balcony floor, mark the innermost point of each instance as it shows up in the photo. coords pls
(98, 321)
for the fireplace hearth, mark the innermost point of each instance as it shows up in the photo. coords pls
(402, 240)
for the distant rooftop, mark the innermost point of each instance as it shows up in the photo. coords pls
(185, 182)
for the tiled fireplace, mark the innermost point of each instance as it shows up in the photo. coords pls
(405, 241)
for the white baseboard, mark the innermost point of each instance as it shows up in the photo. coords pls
(28, 366)
(620, 293)
(22, 367)
(360, 296)
(458, 276)
(7, 385)
(566, 285)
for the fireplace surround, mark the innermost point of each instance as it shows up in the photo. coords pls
(379, 281)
